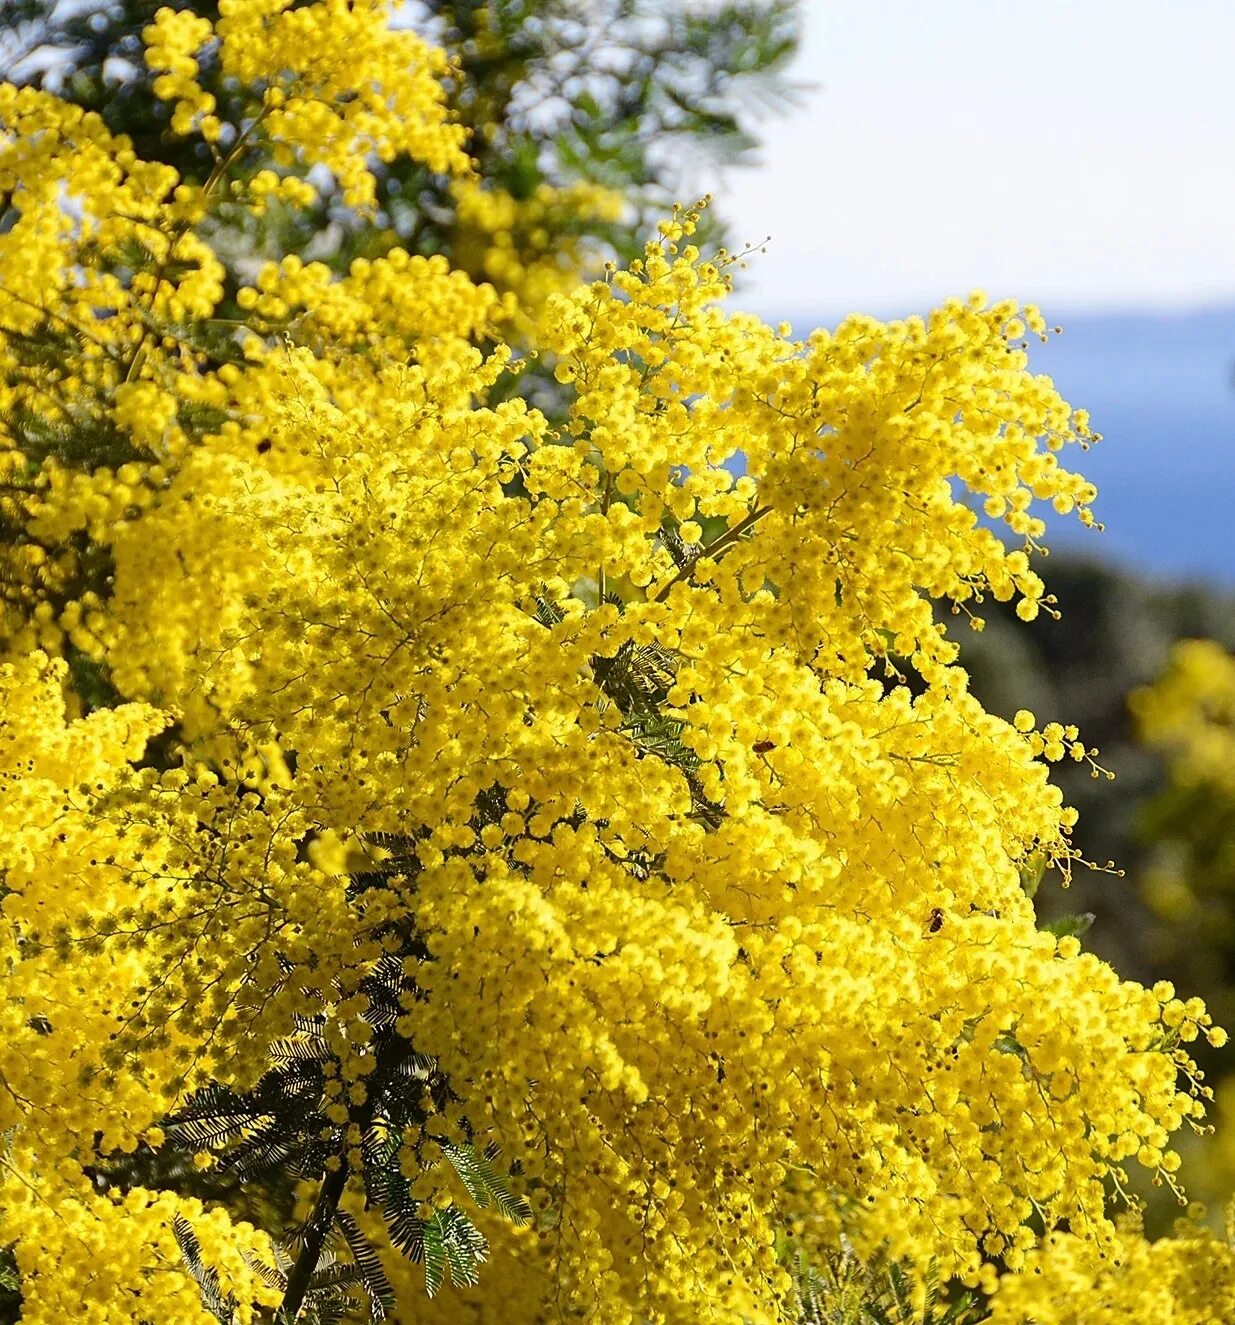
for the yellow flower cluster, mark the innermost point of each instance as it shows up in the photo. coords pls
(709, 919)
(70, 876)
(1190, 715)
(172, 42)
(390, 304)
(1188, 1279)
(524, 245)
(338, 84)
(840, 981)
(69, 275)
(116, 1259)
(48, 147)
(105, 262)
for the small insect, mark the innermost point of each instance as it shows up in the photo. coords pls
(935, 924)
(762, 747)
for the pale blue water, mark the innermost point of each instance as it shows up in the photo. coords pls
(1160, 388)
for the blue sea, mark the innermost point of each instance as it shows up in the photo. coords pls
(1160, 388)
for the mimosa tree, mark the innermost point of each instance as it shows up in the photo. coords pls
(512, 837)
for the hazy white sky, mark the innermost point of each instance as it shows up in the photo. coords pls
(1079, 154)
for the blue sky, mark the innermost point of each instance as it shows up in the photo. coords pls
(1079, 155)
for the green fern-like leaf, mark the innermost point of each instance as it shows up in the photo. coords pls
(220, 1305)
(485, 1184)
(464, 1244)
(368, 1266)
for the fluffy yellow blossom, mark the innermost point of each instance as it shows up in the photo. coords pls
(1188, 1279)
(572, 757)
(1190, 715)
(419, 632)
(517, 244)
(367, 89)
(73, 877)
